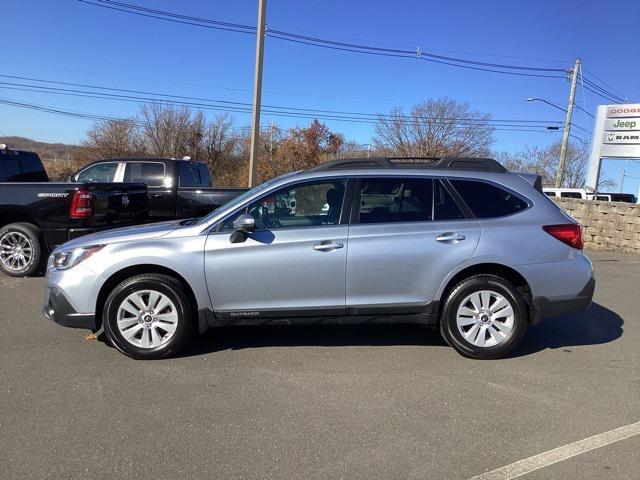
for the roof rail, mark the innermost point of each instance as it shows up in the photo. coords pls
(444, 163)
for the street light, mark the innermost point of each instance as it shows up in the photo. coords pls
(533, 99)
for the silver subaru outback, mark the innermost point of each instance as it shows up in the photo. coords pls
(457, 243)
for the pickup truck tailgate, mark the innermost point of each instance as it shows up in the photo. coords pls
(118, 203)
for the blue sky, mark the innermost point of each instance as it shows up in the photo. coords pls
(70, 41)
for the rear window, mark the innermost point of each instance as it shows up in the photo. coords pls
(194, 174)
(486, 200)
(151, 173)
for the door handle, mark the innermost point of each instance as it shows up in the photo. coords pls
(324, 246)
(450, 237)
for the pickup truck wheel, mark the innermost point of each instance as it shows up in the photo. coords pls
(20, 249)
(484, 317)
(148, 316)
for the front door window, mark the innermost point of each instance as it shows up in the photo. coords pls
(305, 205)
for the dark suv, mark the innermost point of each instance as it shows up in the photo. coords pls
(21, 166)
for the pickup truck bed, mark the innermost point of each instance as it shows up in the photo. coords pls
(37, 217)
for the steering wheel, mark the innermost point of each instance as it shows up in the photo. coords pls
(273, 223)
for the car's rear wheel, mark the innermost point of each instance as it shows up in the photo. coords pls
(484, 317)
(148, 316)
(20, 249)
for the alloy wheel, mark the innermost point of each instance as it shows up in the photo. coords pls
(147, 318)
(16, 251)
(485, 318)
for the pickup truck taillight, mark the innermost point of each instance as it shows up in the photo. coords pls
(570, 233)
(81, 205)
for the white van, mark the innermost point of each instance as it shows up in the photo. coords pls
(575, 193)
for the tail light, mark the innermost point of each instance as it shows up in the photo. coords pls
(81, 206)
(570, 233)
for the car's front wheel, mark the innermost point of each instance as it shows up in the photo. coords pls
(148, 316)
(484, 317)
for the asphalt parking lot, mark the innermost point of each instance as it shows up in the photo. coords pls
(326, 402)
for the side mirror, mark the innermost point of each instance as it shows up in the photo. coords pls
(244, 223)
(242, 226)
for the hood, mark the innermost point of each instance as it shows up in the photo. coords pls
(137, 232)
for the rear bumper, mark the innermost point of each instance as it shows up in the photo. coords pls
(545, 307)
(57, 308)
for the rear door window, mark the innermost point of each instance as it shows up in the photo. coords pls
(486, 200)
(9, 168)
(151, 173)
(389, 200)
(32, 168)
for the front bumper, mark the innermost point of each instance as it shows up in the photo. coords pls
(545, 307)
(57, 308)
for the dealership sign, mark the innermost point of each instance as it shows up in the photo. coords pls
(618, 128)
(616, 135)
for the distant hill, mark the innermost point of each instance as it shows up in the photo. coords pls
(47, 151)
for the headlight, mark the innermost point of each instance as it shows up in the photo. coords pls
(69, 258)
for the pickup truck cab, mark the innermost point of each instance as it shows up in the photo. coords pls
(177, 189)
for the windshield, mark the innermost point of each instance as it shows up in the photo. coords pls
(240, 199)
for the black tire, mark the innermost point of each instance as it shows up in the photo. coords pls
(448, 322)
(34, 240)
(169, 287)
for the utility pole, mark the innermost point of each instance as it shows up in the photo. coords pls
(567, 125)
(624, 174)
(257, 93)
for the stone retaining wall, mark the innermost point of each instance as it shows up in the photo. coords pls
(613, 226)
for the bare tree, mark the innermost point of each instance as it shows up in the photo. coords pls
(110, 138)
(434, 128)
(218, 141)
(168, 131)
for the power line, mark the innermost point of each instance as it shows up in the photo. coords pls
(351, 119)
(603, 90)
(602, 95)
(603, 82)
(232, 106)
(98, 117)
(327, 43)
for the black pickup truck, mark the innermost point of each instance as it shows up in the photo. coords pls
(177, 188)
(35, 217)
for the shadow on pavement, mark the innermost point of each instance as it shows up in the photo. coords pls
(235, 338)
(596, 326)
